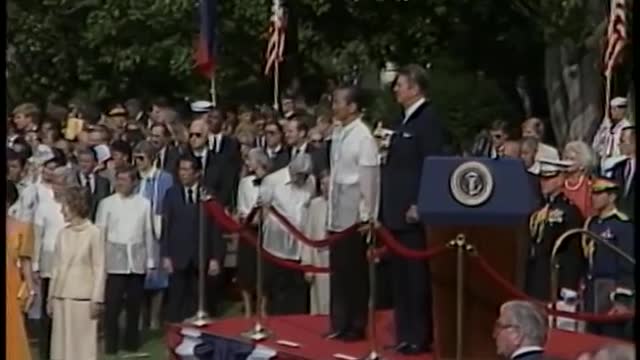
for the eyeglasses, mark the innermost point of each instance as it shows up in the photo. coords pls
(195, 135)
(139, 158)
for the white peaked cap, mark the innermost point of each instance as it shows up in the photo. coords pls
(201, 106)
(619, 102)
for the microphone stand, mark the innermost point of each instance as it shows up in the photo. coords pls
(258, 332)
(201, 318)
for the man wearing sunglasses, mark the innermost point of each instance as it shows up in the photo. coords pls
(153, 185)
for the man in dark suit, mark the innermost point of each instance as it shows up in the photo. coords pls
(295, 134)
(520, 331)
(226, 161)
(97, 186)
(419, 133)
(275, 149)
(624, 172)
(167, 158)
(179, 247)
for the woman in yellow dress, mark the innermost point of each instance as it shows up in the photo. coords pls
(19, 284)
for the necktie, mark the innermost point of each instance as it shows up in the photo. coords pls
(87, 183)
(190, 197)
(160, 162)
(214, 144)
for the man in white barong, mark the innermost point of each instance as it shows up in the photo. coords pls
(315, 228)
(289, 191)
(125, 218)
(353, 198)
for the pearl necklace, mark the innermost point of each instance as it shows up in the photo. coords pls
(577, 186)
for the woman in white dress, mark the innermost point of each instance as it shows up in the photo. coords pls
(258, 165)
(315, 228)
(78, 278)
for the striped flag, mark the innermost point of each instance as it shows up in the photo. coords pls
(207, 45)
(616, 35)
(277, 30)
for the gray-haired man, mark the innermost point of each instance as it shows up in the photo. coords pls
(521, 331)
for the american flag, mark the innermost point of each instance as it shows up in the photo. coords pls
(275, 48)
(616, 35)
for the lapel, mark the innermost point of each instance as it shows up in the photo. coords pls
(415, 114)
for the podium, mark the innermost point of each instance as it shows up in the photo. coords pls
(487, 204)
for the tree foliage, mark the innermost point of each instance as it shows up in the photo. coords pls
(110, 48)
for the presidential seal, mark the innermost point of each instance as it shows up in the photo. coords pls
(471, 183)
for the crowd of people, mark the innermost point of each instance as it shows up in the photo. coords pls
(104, 213)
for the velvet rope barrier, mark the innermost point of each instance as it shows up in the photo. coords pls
(304, 239)
(517, 293)
(392, 244)
(216, 211)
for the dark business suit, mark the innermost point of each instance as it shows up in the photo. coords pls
(279, 159)
(168, 161)
(422, 135)
(626, 202)
(319, 158)
(179, 242)
(101, 189)
(222, 170)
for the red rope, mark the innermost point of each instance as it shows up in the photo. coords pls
(392, 244)
(229, 224)
(519, 294)
(304, 239)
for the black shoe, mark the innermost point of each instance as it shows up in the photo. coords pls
(397, 347)
(336, 335)
(353, 336)
(413, 349)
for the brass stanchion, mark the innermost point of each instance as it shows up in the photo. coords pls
(201, 318)
(555, 264)
(371, 246)
(460, 243)
(258, 332)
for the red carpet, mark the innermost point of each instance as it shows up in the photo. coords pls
(307, 330)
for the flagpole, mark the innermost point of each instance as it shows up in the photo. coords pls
(276, 85)
(607, 92)
(212, 88)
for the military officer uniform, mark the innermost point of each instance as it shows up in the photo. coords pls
(610, 278)
(557, 215)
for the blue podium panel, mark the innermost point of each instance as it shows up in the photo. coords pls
(475, 191)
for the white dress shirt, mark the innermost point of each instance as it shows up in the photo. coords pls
(126, 222)
(247, 196)
(194, 193)
(526, 349)
(88, 181)
(289, 200)
(215, 142)
(202, 155)
(411, 109)
(354, 178)
(298, 150)
(48, 221)
(271, 153)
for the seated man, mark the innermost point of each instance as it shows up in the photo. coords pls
(521, 331)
